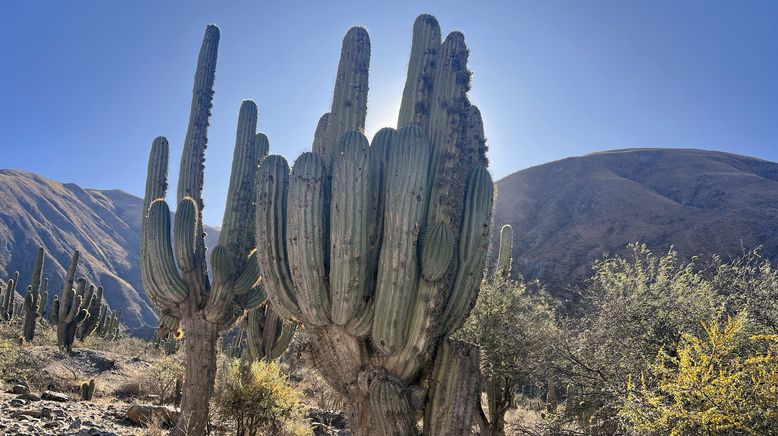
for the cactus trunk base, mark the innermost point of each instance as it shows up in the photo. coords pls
(200, 354)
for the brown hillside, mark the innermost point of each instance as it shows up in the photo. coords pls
(567, 213)
(103, 225)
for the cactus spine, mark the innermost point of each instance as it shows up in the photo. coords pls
(32, 301)
(175, 276)
(379, 249)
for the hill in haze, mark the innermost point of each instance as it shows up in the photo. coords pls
(567, 213)
(103, 225)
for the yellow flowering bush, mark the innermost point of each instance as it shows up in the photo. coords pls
(709, 386)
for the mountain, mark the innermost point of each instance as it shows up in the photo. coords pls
(103, 225)
(567, 213)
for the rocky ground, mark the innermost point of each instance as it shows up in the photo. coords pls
(42, 397)
(52, 413)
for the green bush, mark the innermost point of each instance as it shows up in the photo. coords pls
(11, 365)
(162, 378)
(258, 399)
(639, 306)
(512, 323)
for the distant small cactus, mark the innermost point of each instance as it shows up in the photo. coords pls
(88, 390)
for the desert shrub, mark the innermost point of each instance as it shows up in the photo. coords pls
(11, 361)
(258, 399)
(708, 387)
(637, 306)
(161, 380)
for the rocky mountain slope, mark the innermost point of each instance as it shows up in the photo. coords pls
(103, 225)
(567, 213)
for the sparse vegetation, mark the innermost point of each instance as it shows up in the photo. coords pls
(257, 399)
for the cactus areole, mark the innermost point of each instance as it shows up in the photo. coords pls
(173, 267)
(378, 249)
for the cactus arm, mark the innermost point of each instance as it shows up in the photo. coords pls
(160, 264)
(505, 255)
(67, 286)
(437, 249)
(349, 100)
(454, 388)
(320, 135)
(249, 278)
(54, 311)
(414, 108)
(406, 202)
(190, 176)
(44, 301)
(237, 233)
(255, 297)
(185, 235)
(391, 408)
(255, 323)
(221, 298)
(272, 184)
(348, 228)
(156, 189)
(305, 237)
(448, 113)
(37, 270)
(473, 247)
(361, 325)
(380, 151)
(475, 137)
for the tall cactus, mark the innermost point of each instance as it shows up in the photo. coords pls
(32, 301)
(71, 307)
(175, 276)
(8, 299)
(378, 249)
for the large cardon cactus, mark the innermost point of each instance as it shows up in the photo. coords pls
(175, 275)
(379, 248)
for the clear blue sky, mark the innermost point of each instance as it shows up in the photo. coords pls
(85, 86)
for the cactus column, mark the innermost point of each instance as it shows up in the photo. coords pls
(175, 275)
(378, 249)
(32, 299)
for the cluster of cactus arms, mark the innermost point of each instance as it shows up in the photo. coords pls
(109, 326)
(37, 292)
(88, 390)
(175, 275)
(267, 335)
(77, 304)
(378, 248)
